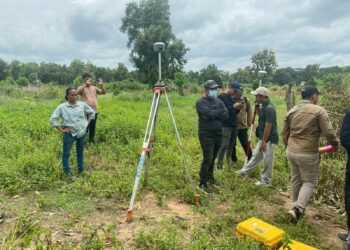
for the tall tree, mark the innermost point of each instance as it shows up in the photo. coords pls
(265, 60)
(14, 69)
(146, 23)
(3, 70)
(211, 72)
(311, 72)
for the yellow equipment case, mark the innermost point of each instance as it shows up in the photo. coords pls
(261, 231)
(296, 245)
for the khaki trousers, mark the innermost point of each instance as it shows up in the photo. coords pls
(305, 169)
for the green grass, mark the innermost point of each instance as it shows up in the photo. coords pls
(30, 163)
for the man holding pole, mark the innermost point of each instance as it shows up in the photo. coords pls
(303, 126)
(268, 138)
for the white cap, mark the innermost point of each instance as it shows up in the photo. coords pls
(260, 91)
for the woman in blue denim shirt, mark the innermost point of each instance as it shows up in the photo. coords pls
(75, 116)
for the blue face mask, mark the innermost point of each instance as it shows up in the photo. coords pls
(212, 93)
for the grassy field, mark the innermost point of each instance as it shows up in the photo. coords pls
(45, 210)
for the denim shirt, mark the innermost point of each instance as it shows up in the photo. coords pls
(76, 117)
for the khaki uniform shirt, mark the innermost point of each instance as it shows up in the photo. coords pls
(89, 95)
(244, 117)
(303, 126)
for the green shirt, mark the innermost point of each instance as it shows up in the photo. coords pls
(268, 114)
(76, 117)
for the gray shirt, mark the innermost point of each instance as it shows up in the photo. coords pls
(76, 117)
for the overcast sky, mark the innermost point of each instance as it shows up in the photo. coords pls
(221, 32)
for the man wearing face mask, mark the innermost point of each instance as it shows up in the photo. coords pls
(211, 112)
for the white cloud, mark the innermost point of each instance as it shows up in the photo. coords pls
(223, 32)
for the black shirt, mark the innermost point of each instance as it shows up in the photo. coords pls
(231, 121)
(268, 114)
(211, 111)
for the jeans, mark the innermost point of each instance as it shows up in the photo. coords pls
(210, 147)
(266, 156)
(91, 129)
(243, 139)
(68, 141)
(229, 136)
(305, 170)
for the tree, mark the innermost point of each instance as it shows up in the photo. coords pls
(145, 24)
(311, 72)
(14, 69)
(180, 81)
(121, 72)
(211, 72)
(193, 76)
(244, 75)
(284, 76)
(3, 70)
(22, 81)
(265, 60)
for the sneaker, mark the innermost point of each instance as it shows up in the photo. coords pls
(1, 218)
(262, 184)
(214, 182)
(220, 166)
(295, 214)
(205, 189)
(343, 237)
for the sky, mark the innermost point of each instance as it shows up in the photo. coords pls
(221, 32)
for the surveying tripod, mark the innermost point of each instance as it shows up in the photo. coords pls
(149, 139)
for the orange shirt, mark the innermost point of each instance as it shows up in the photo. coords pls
(89, 95)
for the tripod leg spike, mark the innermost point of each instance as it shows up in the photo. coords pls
(129, 216)
(196, 198)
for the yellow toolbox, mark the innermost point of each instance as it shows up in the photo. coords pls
(261, 231)
(296, 245)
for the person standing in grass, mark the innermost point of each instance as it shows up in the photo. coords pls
(211, 112)
(89, 96)
(245, 119)
(75, 117)
(230, 125)
(268, 138)
(345, 142)
(303, 126)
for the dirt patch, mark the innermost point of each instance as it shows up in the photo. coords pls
(147, 211)
(323, 217)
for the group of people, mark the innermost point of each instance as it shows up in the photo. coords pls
(221, 119)
(218, 119)
(77, 119)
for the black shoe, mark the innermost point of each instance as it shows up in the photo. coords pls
(295, 214)
(343, 237)
(205, 189)
(1, 218)
(214, 182)
(220, 166)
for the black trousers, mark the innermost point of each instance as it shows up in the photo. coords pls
(91, 129)
(243, 139)
(210, 148)
(347, 189)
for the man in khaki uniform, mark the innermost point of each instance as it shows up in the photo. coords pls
(245, 119)
(303, 126)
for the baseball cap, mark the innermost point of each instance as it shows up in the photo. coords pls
(309, 90)
(235, 85)
(260, 91)
(210, 84)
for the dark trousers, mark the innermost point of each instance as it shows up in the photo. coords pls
(347, 189)
(91, 129)
(210, 148)
(243, 139)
